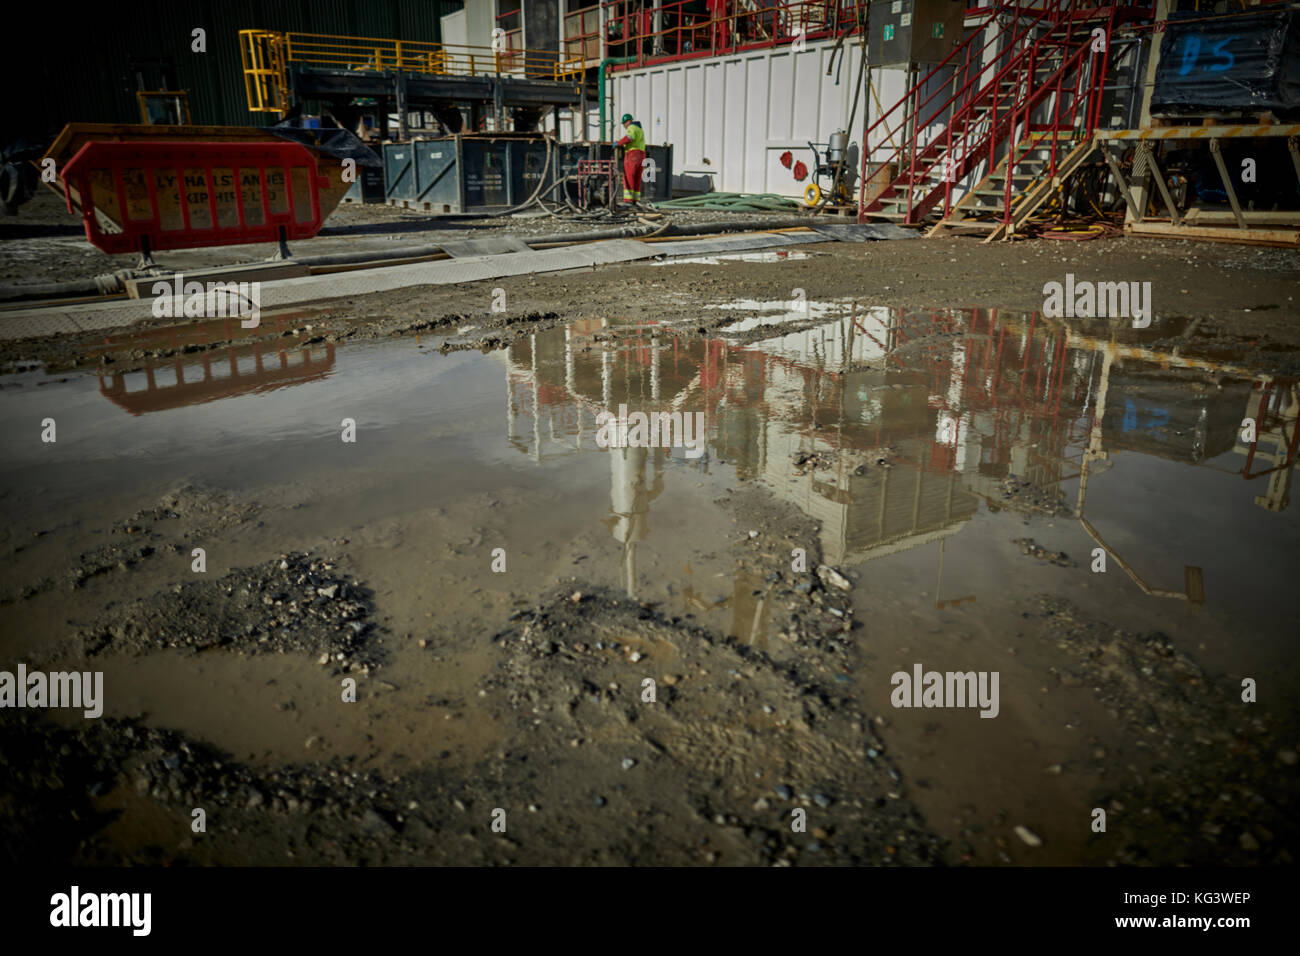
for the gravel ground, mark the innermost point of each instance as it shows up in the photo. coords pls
(584, 767)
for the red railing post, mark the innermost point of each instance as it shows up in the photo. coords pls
(947, 173)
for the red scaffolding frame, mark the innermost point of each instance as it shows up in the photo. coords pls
(688, 29)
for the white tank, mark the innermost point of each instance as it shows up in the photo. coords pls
(839, 142)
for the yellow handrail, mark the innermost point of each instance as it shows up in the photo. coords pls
(266, 55)
(265, 85)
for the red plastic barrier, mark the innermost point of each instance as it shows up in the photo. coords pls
(277, 197)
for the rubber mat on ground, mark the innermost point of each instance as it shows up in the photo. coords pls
(491, 246)
(867, 232)
(724, 244)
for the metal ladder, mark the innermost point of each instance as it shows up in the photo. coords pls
(1049, 58)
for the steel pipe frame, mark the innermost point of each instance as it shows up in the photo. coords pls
(1146, 139)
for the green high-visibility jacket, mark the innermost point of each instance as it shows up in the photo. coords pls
(635, 138)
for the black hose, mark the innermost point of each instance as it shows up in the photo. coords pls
(551, 150)
(837, 177)
(110, 283)
(49, 290)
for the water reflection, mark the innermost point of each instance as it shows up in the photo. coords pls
(893, 428)
(179, 380)
(1149, 407)
(910, 418)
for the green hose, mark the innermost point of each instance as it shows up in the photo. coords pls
(604, 64)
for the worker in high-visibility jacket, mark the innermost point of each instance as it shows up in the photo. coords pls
(633, 143)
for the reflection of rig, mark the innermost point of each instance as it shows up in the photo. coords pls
(562, 379)
(1208, 424)
(918, 414)
(208, 375)
(1274, 408)
(565, 378)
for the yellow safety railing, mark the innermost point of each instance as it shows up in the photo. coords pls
(267, 56)
(570, 67)
(266, 86)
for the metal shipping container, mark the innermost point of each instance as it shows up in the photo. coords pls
(457, 174)
(486, 180)
(399, 172)
(369, 186)
(470, 173)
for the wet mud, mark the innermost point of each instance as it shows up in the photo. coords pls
(631, 655)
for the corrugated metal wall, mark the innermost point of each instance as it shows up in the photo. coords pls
(730, 118)
(79, 69)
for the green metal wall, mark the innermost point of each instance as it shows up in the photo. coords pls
(74, 67)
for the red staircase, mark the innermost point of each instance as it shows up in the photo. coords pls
(1022, 91)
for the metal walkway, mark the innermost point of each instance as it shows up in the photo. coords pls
(283, 69)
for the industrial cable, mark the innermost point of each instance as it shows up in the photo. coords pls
(577, 214)
(838, 176)
(1075, 212)
(1079, 232)
(541, 183)
(663, 227)
(609, 214)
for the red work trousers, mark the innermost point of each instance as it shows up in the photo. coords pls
(633, 159)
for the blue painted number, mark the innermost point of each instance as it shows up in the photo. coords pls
(1223, 60)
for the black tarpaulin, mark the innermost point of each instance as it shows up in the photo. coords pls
(332, 141)
(1245, 63)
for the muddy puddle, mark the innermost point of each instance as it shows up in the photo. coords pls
(963, 472)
